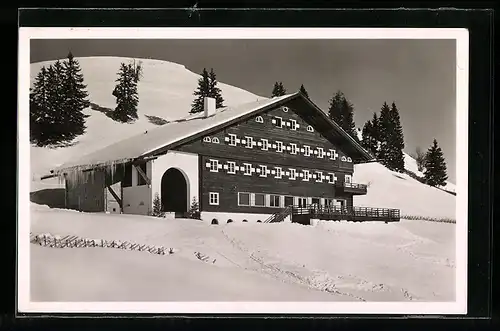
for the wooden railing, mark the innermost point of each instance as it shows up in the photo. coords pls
(350, 212)
(355, 185)
(279, 216)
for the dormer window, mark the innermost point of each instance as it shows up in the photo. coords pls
(207, 139)
(215, 140)
(278, 121)
(349, 159)
(310, 128)
(259, 119)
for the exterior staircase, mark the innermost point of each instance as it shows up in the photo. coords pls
(280, 215)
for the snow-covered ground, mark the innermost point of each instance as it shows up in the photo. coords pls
(409, 260)
(406, 261)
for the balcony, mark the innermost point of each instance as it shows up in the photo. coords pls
(354, 188)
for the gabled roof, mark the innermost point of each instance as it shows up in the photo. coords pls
(170, 135)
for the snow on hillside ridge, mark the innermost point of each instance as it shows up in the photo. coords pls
(165, 90)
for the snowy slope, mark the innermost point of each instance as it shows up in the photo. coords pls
(166, 91)
(406, 261)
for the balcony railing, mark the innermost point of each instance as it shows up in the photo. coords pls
(353, 187)
(348, 213)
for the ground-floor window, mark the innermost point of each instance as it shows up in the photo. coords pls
(260, 200)
(214, 198)
(243, 199)
(274, 201)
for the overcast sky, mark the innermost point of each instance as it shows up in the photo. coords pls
(418, 75)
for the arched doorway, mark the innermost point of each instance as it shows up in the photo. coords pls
(174, 191)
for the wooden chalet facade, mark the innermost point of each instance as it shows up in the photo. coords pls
(248, 166)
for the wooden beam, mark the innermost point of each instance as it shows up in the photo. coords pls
(143, 175)
(117, 198)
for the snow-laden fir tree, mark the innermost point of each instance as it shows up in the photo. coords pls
(55, 130)
(368, 142)
(341, 111)
(76, 101)
(435, 166)
(207, 87)
(397, 144)
(384, 129)
(304, 91)
(278, 90)
(126, 94)
(214, 91)
(39, 108)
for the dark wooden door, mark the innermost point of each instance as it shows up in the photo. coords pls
(288, 201)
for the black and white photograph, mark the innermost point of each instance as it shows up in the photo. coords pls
(210, 170)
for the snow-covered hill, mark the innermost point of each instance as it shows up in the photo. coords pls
(165, 91)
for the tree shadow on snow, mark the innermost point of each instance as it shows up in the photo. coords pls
(54, 197)
(156, 120)
(106, 111)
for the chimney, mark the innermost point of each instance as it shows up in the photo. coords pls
(209, 106)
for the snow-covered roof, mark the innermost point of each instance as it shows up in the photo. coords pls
(150, 141)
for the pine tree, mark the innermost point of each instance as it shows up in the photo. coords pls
(385, 128)
(125, 92)
(435, 166)
(335, 109)
(76, 101)
(396, 141)
(347, 122)
(157, 208)
(375, 133)
(202, 92)
(194, 210)
(214, 91)
(368, 142)
(278, 90)
(55, 127)
(39, 108)
(304, 91)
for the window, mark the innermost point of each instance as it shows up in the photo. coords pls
(319, 176)
(274, 200)
(348, 178)
(231, 167)
(320, 152)
(263, 171)
(279, 147)
(265, 144)
(214, 198)
(349, 159)
(243, 199)
(285, 109)
(278, 121)
(315, 201)
(344, 159)
(307, 174)
(307, 151)
(293, 148)
(333, 154)
(232, 139)
(260, 200)
(259, 119)
(214, 165)
(331, 178)
(310, 128)
(293, 125)
(293, 174)
(247, 169)
(278, 172)
(207, 139)
(249, 142)
(215, 140)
